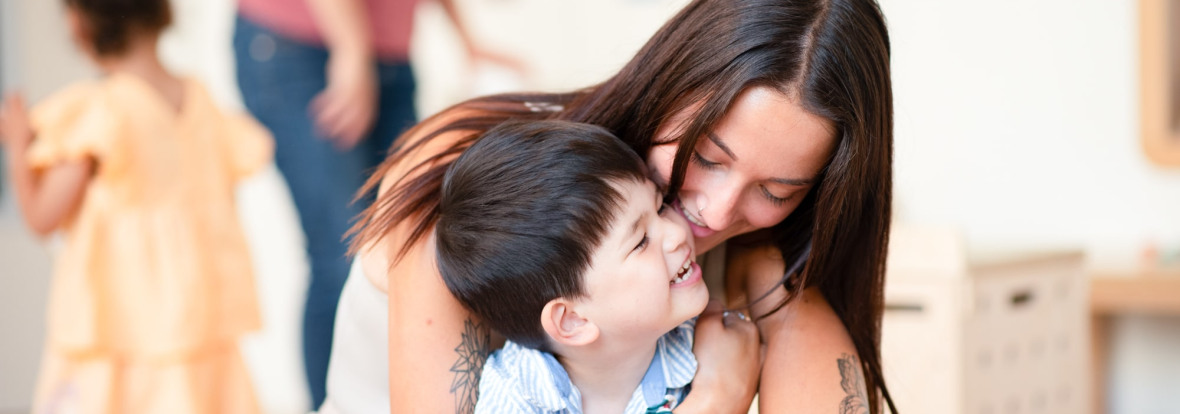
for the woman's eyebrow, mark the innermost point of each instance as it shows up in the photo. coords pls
(721, 144)
(788, 181)
(794, 181)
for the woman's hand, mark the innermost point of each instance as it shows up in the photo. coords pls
(729, 362)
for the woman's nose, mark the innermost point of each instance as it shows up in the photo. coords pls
(717, 207)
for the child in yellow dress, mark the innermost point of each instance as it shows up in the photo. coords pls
(153, 287)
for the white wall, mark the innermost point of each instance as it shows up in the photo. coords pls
(38, 67)
(1017, 122)
(566, 44)
(8, 42)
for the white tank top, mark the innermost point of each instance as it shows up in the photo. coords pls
(358, 371)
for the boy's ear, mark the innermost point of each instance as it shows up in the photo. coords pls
(565, 326)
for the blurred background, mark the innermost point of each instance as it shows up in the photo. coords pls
(1036, 260)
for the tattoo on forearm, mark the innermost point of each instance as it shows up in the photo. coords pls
(473, 352)
(853, 383)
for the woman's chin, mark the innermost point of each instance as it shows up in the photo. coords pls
(704, 244)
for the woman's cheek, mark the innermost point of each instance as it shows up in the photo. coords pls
(659, 162)
(769, 216)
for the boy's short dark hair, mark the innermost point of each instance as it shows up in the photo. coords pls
(521, 214)
(112, 23)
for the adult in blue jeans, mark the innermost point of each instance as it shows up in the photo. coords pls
(332, 81)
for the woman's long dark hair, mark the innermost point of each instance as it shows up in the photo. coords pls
(832, 56)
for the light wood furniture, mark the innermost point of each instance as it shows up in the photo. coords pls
(984, 331)
(1112, 294)
(1159, 80)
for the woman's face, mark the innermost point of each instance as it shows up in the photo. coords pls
(751, 170)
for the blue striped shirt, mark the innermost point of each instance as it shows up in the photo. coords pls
(516, 379)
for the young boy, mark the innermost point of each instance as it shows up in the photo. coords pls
(551, 233)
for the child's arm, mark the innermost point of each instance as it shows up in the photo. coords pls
(46, 197)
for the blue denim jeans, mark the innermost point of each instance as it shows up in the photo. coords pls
(278, 78)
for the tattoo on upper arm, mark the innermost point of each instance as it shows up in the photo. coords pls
(473, 352)
(853, 383)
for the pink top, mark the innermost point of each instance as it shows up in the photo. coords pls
(390, 22)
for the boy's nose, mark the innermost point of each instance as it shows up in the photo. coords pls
(675, 232)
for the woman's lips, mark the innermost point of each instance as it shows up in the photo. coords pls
(698, 230)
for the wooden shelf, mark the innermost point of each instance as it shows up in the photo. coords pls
(1149, 292)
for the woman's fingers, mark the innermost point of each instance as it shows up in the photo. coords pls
(734, 317)
(729, 355)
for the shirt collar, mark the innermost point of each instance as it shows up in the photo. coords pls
(673, 365)
(554, 394)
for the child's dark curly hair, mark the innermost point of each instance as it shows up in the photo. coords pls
(111, 24)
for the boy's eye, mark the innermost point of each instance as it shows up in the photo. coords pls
(642, 243)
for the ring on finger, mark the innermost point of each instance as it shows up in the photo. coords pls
(738, 314)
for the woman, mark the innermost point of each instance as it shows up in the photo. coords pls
(767, 120)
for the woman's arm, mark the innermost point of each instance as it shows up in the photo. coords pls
(436, 347)
(346, 109)
(47, 197)
(811, 365)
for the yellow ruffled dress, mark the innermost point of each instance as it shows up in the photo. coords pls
(154, 286)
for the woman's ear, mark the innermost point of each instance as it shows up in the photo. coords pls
(565, 326)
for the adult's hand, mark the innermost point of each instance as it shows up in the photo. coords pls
(729, 362)
(344, 111)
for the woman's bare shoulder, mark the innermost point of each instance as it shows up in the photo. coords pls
(811, 363)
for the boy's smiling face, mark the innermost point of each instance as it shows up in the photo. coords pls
(643, 279)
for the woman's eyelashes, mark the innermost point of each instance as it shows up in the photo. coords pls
(709, 165)
(702, 162)
(776, 200)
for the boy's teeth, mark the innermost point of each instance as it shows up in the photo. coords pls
(685, 271)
